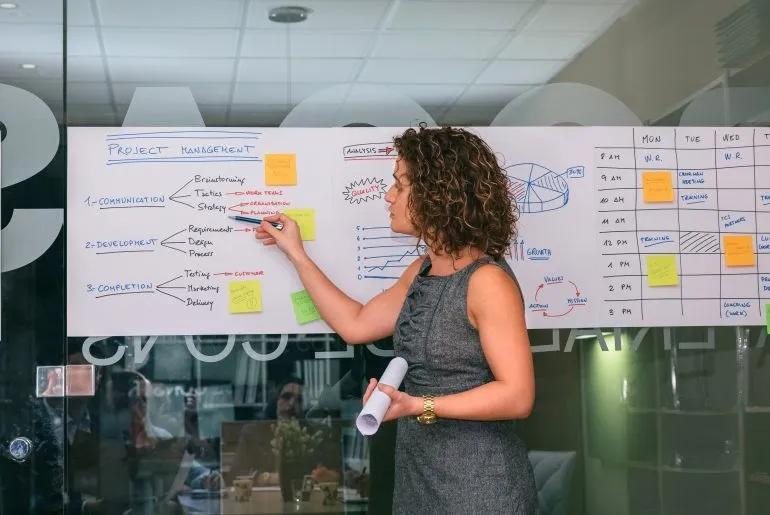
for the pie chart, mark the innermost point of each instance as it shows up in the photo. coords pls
(536, 188)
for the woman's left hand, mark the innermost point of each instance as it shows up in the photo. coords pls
(401, 404)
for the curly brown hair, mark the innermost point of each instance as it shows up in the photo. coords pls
(460, 197)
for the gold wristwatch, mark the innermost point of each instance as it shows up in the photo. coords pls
(428, 415)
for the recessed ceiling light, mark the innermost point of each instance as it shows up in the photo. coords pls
(288, 14)
(28, 66)
(7, 5)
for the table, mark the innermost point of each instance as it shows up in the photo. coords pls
(264, 501)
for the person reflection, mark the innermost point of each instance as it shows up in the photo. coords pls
(254, 455)
(140, 455)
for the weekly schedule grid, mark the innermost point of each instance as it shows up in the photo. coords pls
(684, 225)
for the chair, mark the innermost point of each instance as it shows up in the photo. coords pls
(553, 476)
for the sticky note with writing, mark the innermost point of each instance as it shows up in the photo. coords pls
(304, 309)
(305, 218)
(657, 187)
(245, 296)
(739, 250)
(661, 270)
(280, 169)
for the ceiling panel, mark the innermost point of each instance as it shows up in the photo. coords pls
(262, 70)
(92, 114)
(520, 72)
(170, 42)
(214, 93)
(331, 44)
(459, 15)
(430, 93)
(545, 46)
(590, 1)
(258, 116)
(470, 115)
(436, 111)
(51, 91)
(79, 13)
(49, 66)
(87, 93)
(33, 39)
(351, 15)
(145, 69)
(324, 92)
(82, 41)
(499, 94)
(170, 13)
(260, 93)
(420, 71)
(333, 70)
(573, 17)
(439, 44)
(213, 115)
(33, 12)
(85, 69)
(264, 43)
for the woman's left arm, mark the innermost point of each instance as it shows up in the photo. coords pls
(496, 310)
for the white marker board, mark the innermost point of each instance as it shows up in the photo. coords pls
(151, 250)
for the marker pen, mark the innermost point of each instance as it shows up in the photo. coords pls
(277, 225)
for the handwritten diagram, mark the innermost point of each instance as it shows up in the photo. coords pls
(383, 254)
(556, 297)
(537, 189)
(620, 226)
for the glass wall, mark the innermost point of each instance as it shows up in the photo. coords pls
(627, 421)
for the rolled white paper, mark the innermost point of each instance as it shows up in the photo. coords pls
(374, 410)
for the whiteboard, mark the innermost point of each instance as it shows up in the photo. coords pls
(152, 251)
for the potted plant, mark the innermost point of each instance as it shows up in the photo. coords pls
(293, 445)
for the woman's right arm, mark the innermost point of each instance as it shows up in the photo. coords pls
(353, 321)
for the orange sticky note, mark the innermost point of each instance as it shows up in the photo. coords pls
(739, 250)
(657, 187)
(281, 169)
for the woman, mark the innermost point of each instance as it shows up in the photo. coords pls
(457, 317)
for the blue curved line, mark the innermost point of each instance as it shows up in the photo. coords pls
(658, 243)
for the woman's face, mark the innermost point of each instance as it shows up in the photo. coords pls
(397, 198)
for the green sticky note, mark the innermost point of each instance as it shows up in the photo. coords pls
(661, 270)
(245, 296)
(767, 317)
(304, 309)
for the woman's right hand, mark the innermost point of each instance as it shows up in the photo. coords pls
(288, 239)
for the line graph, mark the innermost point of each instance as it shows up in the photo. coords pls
(383, 254)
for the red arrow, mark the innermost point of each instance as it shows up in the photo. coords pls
(577, 292)
(563, 314)
(538, 291)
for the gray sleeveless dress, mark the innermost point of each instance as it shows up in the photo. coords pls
(453, 466)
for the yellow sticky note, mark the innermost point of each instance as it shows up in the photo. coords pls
(657, 187)
(281, 169)
(245, 296)
(304, 309)
(739, 250)
(305, 218)
(661, 270)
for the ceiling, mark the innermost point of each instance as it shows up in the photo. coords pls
(462, 61)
